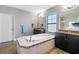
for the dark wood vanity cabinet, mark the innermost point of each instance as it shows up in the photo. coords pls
(66, 42)
(38, 30)
(60, 41)
(73, 44)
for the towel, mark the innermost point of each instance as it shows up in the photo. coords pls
(23, 29)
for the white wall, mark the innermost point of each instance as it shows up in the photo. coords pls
(26, 20)
(59, 11)
(21, 17)
(54, 10)
(41, 20)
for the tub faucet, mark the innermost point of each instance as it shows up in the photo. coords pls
(30, 38)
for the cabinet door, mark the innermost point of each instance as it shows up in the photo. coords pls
(73, 44)
(60, 41)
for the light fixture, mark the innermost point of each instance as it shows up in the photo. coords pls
(41, 15)
(66, 7)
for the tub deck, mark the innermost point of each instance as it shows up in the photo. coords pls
(42, 43)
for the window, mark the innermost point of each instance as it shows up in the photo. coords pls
(51, 23)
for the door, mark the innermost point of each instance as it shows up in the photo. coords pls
(6, 27)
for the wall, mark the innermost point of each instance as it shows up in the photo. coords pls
(21, 17)
(59, 11)
(26, 20)
(41, 20)
(54, 10)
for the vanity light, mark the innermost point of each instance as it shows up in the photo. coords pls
(32, 25)
(66, 7)
(41, 15)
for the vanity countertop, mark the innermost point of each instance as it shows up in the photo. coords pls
(71, 32)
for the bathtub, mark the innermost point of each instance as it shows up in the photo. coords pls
(35, 44)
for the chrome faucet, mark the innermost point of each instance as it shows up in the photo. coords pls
(30, 38)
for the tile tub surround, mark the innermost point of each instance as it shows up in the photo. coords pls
(40, 45)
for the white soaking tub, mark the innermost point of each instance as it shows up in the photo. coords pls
(40, 43)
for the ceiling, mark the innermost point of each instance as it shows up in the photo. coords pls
(33, 8)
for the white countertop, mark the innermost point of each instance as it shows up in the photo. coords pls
(37, 39)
